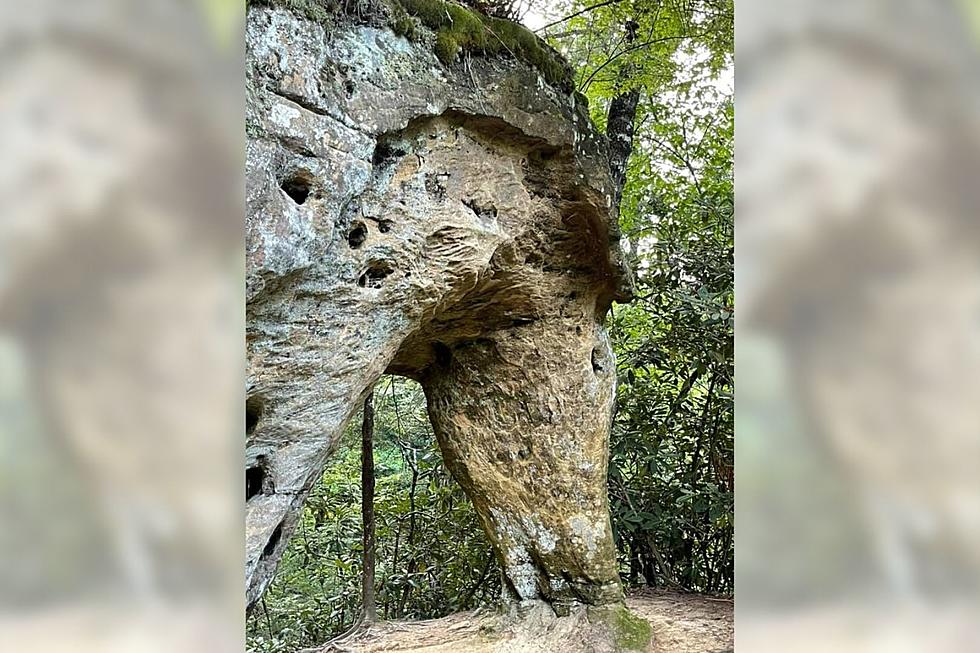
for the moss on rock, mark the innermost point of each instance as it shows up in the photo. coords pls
(447, 48)
(402, 23)
(457, 30)
(460, 30)
(631, 633)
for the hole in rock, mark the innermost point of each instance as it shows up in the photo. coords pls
(297, 186)
(596, 361)
(483, 211)
(270, 546)
(547, 153)
(385, 152)
(414, 487)
(435, 184)
(254, 479)
(253, 412)
(384, 226)
(357, 235)
(375, 274)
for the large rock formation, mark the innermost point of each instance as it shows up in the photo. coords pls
(452, 224)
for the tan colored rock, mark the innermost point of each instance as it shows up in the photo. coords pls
(449, 225)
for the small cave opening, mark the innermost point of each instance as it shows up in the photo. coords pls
(357, 235)
(255, 479)
(253, 413)
(384, 226)
(375, 274)
(270, 546)
(297, 186)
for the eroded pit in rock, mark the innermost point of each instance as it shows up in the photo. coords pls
(253, 412)
(596, 361)
(270, 546)
(375, 274)
(357, 235)
(254, 480)
(297, 186)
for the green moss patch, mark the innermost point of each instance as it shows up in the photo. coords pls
(459, 30)
(402, 23)
(631, 632)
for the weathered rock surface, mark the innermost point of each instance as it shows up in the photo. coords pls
(453, 225)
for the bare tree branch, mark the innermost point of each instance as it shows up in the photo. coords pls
(577, 13)
(639, 46)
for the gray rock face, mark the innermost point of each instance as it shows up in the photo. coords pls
(450, 225)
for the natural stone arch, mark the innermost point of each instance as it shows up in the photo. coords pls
(452, 226)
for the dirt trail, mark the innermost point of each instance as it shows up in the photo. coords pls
(687, 623)
(682, 623)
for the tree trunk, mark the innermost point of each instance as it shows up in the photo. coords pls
(370, 610)
(634, 562)
(619, 130)
(410, 542)
(621, 124)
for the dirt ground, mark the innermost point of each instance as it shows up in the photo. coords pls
(686, 623)
(682, 623)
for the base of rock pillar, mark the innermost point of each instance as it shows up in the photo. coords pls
(525, 627)
(536, 626)
(629, 631)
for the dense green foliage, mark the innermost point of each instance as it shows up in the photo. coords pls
(670, 475)
(433, 558)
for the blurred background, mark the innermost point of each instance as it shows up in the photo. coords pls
(120, 326)
(858, 326)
